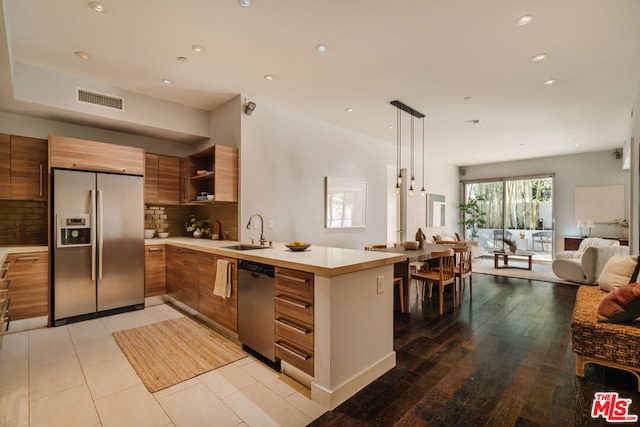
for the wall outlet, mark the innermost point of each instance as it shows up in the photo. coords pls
(380, 284)
(270, 224)
(255, 223)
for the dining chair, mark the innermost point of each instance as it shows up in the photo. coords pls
(442, 277)
(396, 280)
(463, 269)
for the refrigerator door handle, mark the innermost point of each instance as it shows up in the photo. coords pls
(92, 212)
(100, 235)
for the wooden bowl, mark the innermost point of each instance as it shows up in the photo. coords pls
(410, 244)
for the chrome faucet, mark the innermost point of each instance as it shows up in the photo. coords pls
(262, 239)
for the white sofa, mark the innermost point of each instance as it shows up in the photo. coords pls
(585, 265)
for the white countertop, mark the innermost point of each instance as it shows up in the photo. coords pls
(4, 251)
(321, 260)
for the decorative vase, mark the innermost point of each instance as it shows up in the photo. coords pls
(625, 233)
(513, 248)
(197, 234)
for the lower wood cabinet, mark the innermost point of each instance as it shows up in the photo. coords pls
(175, 281)
(224, 312)
(293, 318)
(28, 277)
(155, 276)
(190, 277)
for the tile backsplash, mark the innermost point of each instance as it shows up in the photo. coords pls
(23, 222)
(172, 218)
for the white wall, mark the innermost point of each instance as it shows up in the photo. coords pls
(579, 170)
(284, 158)
(16, 124)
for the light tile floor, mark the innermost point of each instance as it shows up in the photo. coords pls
(76, 375)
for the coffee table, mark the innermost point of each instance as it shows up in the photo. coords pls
(505, 259)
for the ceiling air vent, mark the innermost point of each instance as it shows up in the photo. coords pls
(96, 98)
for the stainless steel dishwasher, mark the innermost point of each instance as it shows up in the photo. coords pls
(256, 307)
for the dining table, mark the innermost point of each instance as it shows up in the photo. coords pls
(401, 269)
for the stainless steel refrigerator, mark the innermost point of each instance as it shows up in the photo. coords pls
(98, 244)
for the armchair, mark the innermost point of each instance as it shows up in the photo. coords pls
(585, 265)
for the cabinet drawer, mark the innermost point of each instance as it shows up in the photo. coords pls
(296, 282)
(294, 306)
(294, 355)
(294, 331)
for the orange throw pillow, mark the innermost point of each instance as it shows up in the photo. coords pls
(620, 305)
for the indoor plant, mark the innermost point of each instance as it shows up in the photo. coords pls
(199, 227)
(511, 244)
(472, 216)
(623, 224)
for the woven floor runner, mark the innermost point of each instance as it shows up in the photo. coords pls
(169, 352)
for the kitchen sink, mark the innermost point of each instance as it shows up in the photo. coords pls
(244, 247)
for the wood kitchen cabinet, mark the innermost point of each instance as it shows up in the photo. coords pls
(293, 318)
(190, 278)
(175, 283)
(71, 153)
(220, 164)
(29, 171)
(28, 275)
(155, 276)
(182, 275)
(5, 166)
(224, 312)
(161, 179)
(23, 168)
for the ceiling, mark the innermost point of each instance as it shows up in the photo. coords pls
(456, 61)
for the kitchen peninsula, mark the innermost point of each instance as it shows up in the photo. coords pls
(352, 321)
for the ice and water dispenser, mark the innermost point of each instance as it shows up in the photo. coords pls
(74, 230)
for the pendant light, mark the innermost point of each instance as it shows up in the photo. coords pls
(398, 151)
(414, 113)
(413, 179)
(423, 192)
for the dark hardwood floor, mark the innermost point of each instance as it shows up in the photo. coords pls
(503, 358)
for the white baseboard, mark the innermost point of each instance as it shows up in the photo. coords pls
(331, 399)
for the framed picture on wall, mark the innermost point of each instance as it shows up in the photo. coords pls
(345, 203)
(436, 209)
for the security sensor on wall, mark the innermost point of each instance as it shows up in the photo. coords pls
(248, 107)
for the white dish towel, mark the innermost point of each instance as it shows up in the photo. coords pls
(222, 286)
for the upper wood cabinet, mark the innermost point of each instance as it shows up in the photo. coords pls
(71, 153)
(23, 168)
(161, 179)
(29, 171)
(5, 166)
(218, 167)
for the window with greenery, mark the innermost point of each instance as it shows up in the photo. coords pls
(509, 207)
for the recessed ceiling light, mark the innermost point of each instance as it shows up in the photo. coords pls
(82, 55)
(551, 81)
(197, 48)
(348, 110)
(524, 20)
(245, 3)
(577, 145)
(538, 57)
(166, 81)
(97, 6)
(269, 77)
(390, 127)
(182, 59)
(322, 48)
